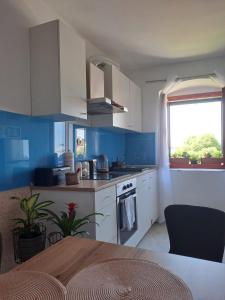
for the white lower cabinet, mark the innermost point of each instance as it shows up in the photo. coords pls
(106, 230)
(104, 201)
(147, 207)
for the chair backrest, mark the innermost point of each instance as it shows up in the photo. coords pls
(196, 231)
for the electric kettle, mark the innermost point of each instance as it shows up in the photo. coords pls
(102, 164)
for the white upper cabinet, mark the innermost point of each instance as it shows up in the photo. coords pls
(135, 107)
(95, 80)
(119, 88)
(58, 71)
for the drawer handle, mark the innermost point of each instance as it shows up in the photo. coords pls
(107, 197)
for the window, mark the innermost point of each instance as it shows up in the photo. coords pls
(59, 142)
(195, 133)
(59, 138)
(80, 142)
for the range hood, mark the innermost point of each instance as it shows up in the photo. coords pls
(103, 106)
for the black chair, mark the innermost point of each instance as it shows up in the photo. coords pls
(196, 231)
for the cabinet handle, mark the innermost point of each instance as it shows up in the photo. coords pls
(83, 113)
(107, 197)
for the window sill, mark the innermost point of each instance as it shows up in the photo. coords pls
(197, 170)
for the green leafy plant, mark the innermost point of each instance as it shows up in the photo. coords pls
(33, 211)
(194, 157)
(199, 146)
(67, 221)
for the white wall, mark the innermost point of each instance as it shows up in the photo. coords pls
(199, 187)
(206, 188)
(16, 17)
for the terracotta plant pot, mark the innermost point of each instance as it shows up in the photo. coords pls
(179, 162)
(212, 162)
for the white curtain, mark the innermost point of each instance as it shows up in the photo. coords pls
(164, 176)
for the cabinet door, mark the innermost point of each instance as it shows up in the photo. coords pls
(106, 230)
(135, 107)
(72, 72)
(58, 71)
(142, 199)
(154, 197)
(95, 82)
(144, 203)
(105, 197)
(120, 94)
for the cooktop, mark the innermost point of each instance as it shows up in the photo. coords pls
(105, 176)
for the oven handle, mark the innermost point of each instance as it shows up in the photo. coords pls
(126, 195)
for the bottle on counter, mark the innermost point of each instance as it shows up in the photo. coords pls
(78, 165)
(69, 160)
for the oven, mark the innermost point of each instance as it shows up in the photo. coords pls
(126, 210)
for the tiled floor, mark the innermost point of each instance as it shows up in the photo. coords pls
(157, 239)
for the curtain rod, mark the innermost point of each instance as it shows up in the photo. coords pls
(157, 80)
(185, 78)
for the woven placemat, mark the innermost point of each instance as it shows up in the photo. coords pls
(127, 279)
(28, 285)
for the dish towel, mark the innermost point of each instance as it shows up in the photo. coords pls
(130, 212)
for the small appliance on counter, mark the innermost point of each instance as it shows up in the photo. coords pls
(93, 166)
(102, 164)
(85, 168)
(50, 176)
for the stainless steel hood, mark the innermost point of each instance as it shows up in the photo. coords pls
(103, 106)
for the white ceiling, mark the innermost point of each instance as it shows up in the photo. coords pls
(142, 33)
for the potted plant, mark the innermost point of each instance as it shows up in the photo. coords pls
(194, 158)
(67, 223)
(212, 159)
(178, 159)
(29, 235)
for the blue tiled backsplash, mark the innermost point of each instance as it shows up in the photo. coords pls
(28, 142)
(25, 143)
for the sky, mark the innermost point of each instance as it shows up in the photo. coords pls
(194, 119)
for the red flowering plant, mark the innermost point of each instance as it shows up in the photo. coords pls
(67, 221)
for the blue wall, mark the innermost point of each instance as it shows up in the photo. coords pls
(103, 141)
(140, 148)
(25, 143)
(133, 148)
(28, 142)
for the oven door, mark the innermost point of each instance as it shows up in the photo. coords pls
(126, 216)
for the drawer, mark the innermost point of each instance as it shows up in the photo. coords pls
(144, 179)
(105, 197)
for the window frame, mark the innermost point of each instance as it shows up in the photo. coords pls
(197, 98)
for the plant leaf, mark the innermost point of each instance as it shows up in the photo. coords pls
(32, 201)
(41, 205)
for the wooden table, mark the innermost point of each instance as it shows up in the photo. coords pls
(205, 279)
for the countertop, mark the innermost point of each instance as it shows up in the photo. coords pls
(64, 259)
(93, 185)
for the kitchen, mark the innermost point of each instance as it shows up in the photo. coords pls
(69, 101)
